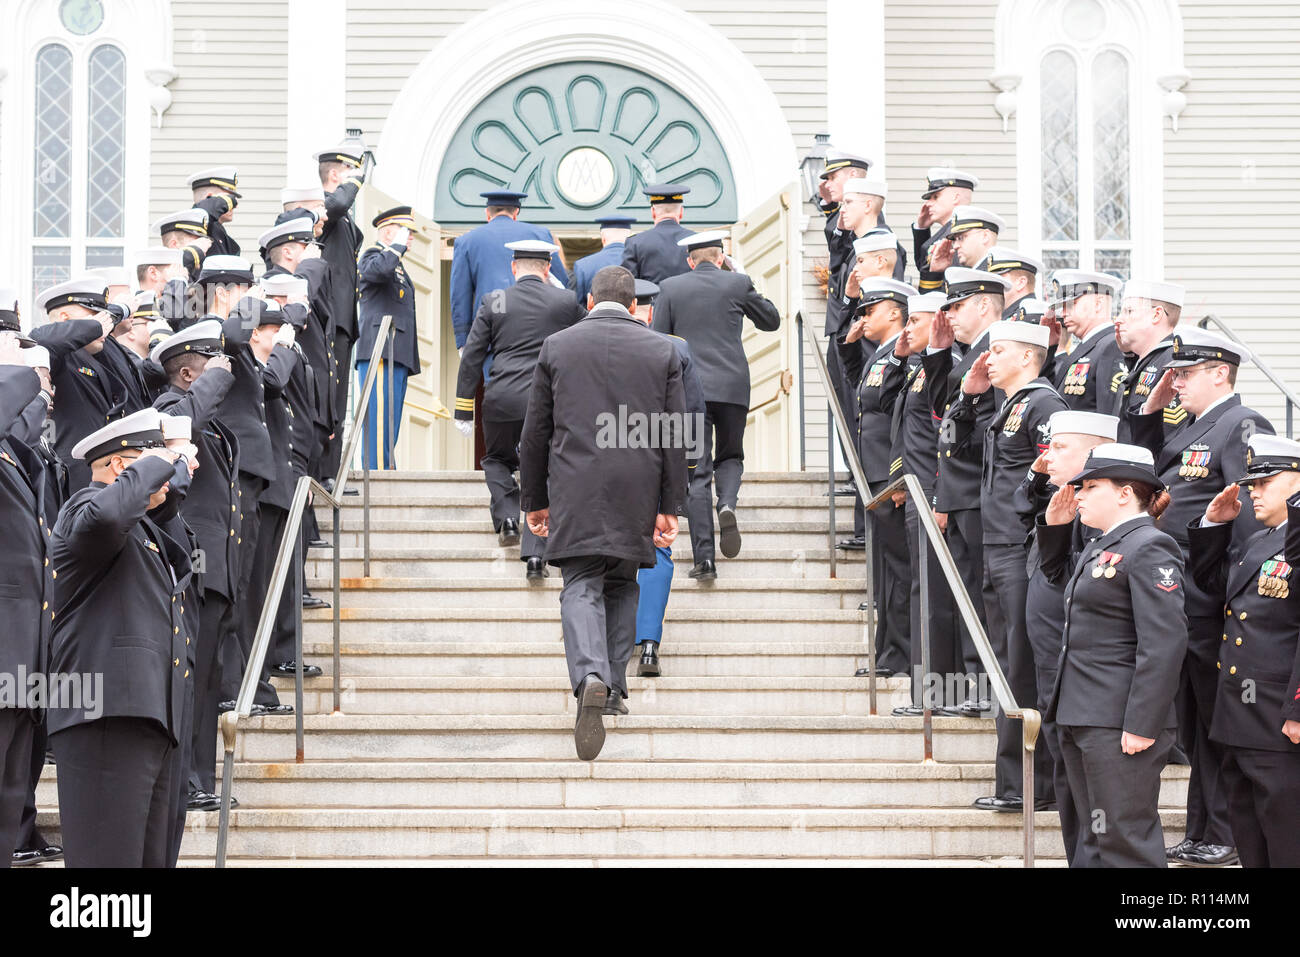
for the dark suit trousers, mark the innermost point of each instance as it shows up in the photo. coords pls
(270, 528)
(28, 837)
(182, 757)
(965, 538)
(1116, 796)
(116, 787)
(848, 400)
(722, 460)
(1006, 584)
(1262, 789)
(500, 462)
(892, 571)
(941, 625)
(16, 734)
(217, 619)
(1207, 798)
(598, 614)
(283, 643)
(342, 382)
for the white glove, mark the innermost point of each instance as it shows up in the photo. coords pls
(465, 427)
(284, 336)
(402, 237)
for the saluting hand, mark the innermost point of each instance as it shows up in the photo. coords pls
(1162, 394)
(665, 530)
(1131, 743)
(1226, 506)
(1040, 465)
(853, 286)
(856, 331)
(217, 362)
(1292, 730)
(903, 344)
(976, 381)
(540, 522)
(941, 334)
(1063, 507)
(941, 255)
(1053, 326)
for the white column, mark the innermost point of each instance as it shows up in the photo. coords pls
(317, 84)
(855, 77)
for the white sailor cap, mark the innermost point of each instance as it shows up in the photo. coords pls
(37, 357)
(975, 217)
(1194, 345)
(85, 291)
(882, 289)
(1268, 455)
(1030, 309)
(960, 283)
(842, 159)
(867, 187)
(1116, 460)
(1071, 422)
(1169, 292)
(532, 249)
(1028, 333)
(228, 269)
(224, 177)
(926, 302)
(299, 230)
(139, 430)
(193, 221)
(156, 256)
(941, 177)
(112, 275)
(874, 242)
(1070, 284)
(284, 284)
(345, 153)
(204, 338)
(1005, 259)
(177, 427)
(306, 194)
(701, 240)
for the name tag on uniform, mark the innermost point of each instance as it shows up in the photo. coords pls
(1196, 462)
(1274, 577)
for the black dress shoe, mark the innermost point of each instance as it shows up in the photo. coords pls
(51, 852)
(1186, 844)
(589, 729)
(971, 708)
(536, 569)
(1209, 855)
(855, 544)
(614, 703)
(998, 804)
(202, 801)
(318, 543)
(224, 706)
(289, 669)
(27, 857)
(907, 711)
(509, 533)
(311, 601)
(728, 533)
(948, 711)
(351, 491)
(648, 667)
(704, 571)
(843, 490)
(261, 710)
(880, 672)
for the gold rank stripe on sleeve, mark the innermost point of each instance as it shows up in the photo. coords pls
(895, 466)
(464, 405)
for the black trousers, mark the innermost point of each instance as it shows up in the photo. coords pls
(500, 462)
(283, 642)
(333, 455)
(1262, 788)
(844, 391)
(255, 580)
(181, 757)
(16, 733)
(29, 838)
(1207, 798)
(722, 460)
(1006, 584)
(116, 782)
(1116, 796)
(892, 573)
(945, 661)
(598, 616)
(216, 621)
(965, 538)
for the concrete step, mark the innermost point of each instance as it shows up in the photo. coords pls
(542, 658)
(601, 784)
(472, 483)
(542, 623)
(609, 862)
(628, 832)
(443, 507)
(492, 593)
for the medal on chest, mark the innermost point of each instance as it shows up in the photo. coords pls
(86, 370)
(918, 380)
(1076, 378)
(1013, 421)
(1196, 462)
(1105, 567)
(1146, 381)
(1274, 578)
(876, 374)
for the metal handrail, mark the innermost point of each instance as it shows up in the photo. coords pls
(928, 535)
(1269, 374)
(290, 553)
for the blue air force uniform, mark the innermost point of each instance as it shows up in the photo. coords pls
(611, 254)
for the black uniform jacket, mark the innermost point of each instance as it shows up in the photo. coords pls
(1259, 653)
(883, 376)
(253, 402)
(1135, 388)
(654, 255)
(386, 289)
(604, 480)
(707, 307)
(1090, 377)
(117, 602)
(961, 448)
(928, 280)
(511, 325)
(223, 244)
(1125, 633)
(340, 242)
(914, 429)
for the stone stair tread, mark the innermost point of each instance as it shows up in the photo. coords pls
(497, 649)
(356, 524)
(563, 722)
(514, 583)
(552, 613)
(598, 862)
(559, 682)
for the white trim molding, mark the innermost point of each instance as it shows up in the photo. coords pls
(654, 36)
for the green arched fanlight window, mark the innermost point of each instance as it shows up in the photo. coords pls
(582, 139)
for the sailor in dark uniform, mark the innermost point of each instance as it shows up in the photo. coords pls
(614, 231)
(945, 190)
(1017, 435)
(160, 270)
(1089, 375)
(657, 253)
(199, 377)
(222, 282)
(1125, 635)
(387, 290)
(1257, 706)
(1073, 436)
(973, 231)
(1018, 269)
(186, 231)
(510, 326)
(117, 619)
(1195, 461)
(215, 194)
(1144, 329)
(707, 307)
(974, 302)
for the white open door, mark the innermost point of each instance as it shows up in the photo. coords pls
(422, 436)
(763, 244)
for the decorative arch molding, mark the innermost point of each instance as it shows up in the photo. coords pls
(518, 36)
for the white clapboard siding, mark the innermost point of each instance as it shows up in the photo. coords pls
(1230, 201)
(228, 108)
(814, 315)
